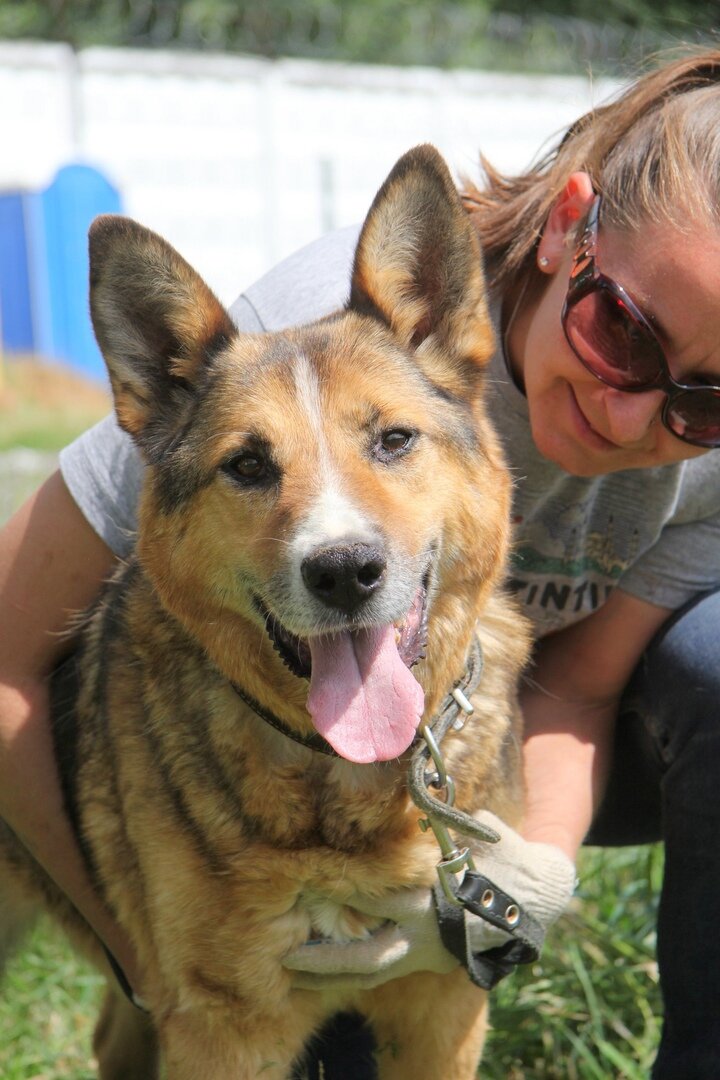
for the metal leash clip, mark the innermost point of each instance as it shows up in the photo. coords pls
(454, 859)
(438, 804)
(473, 892)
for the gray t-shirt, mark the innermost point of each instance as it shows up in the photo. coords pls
(653, 532)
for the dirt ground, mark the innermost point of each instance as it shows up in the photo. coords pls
(54, 384)
(43, 406)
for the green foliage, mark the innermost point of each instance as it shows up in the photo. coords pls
(640, 14)
(549, 35)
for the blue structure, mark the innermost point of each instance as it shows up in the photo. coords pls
(44, 267)
(15, 308)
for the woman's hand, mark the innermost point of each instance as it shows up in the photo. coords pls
(538, 876)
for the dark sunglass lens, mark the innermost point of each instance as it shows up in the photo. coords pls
(695, 417)
(611, 343)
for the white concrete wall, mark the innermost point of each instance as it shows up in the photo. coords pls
(238, 161)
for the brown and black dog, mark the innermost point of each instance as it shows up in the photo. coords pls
(324, 509)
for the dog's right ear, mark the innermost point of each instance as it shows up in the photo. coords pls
(418, 268)
(158, 326)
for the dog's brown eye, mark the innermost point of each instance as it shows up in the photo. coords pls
(251, 467)
(394, 442)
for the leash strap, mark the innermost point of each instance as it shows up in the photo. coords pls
(480, 896)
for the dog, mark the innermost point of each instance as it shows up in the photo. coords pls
(323, 533)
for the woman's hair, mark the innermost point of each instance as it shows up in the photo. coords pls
(653, 152)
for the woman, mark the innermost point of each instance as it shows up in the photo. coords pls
(605, 265)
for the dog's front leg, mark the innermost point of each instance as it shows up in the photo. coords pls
(211, 1043)
(125, 1043)
(428, 1026)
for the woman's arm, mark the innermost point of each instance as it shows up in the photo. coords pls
(570, 702)
(52, 564)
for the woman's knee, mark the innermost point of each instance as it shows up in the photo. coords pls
(681, 676)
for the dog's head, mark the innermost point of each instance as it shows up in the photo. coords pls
(325, 503)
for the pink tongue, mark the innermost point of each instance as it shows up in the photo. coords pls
(362, 698)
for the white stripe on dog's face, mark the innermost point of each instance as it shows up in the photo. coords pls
(333, 517)
(308, 395)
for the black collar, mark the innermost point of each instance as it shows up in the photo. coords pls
(313, 742)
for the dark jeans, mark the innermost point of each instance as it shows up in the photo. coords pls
(665, 785)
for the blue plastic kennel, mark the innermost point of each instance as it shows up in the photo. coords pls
(44, 267)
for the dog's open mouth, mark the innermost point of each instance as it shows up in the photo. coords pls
(295, 652)
(362, 698)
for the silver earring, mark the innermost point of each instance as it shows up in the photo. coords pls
(543, 262)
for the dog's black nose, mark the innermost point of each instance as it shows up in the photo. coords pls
(344, 576)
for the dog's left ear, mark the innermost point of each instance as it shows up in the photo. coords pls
(158, 326)
(418, 267)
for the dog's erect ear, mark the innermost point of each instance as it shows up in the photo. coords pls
(418, 264)
(157, 323)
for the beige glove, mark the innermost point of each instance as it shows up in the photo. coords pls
(540, 877)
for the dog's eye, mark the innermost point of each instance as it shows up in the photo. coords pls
(394, 442)
(250, 467)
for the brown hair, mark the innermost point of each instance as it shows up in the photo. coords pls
(652, 152)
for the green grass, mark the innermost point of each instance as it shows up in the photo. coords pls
(589, 1010)
(44, 406)
(47, 1010)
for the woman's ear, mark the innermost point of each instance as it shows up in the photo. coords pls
(572, 203)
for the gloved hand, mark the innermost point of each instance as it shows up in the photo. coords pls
(540, 877)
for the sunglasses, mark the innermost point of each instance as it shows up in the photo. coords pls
(615, 342)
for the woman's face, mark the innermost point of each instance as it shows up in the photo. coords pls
(583, 425)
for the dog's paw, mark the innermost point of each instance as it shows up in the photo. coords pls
(338, 923)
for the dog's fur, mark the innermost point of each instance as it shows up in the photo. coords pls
(220, 843)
